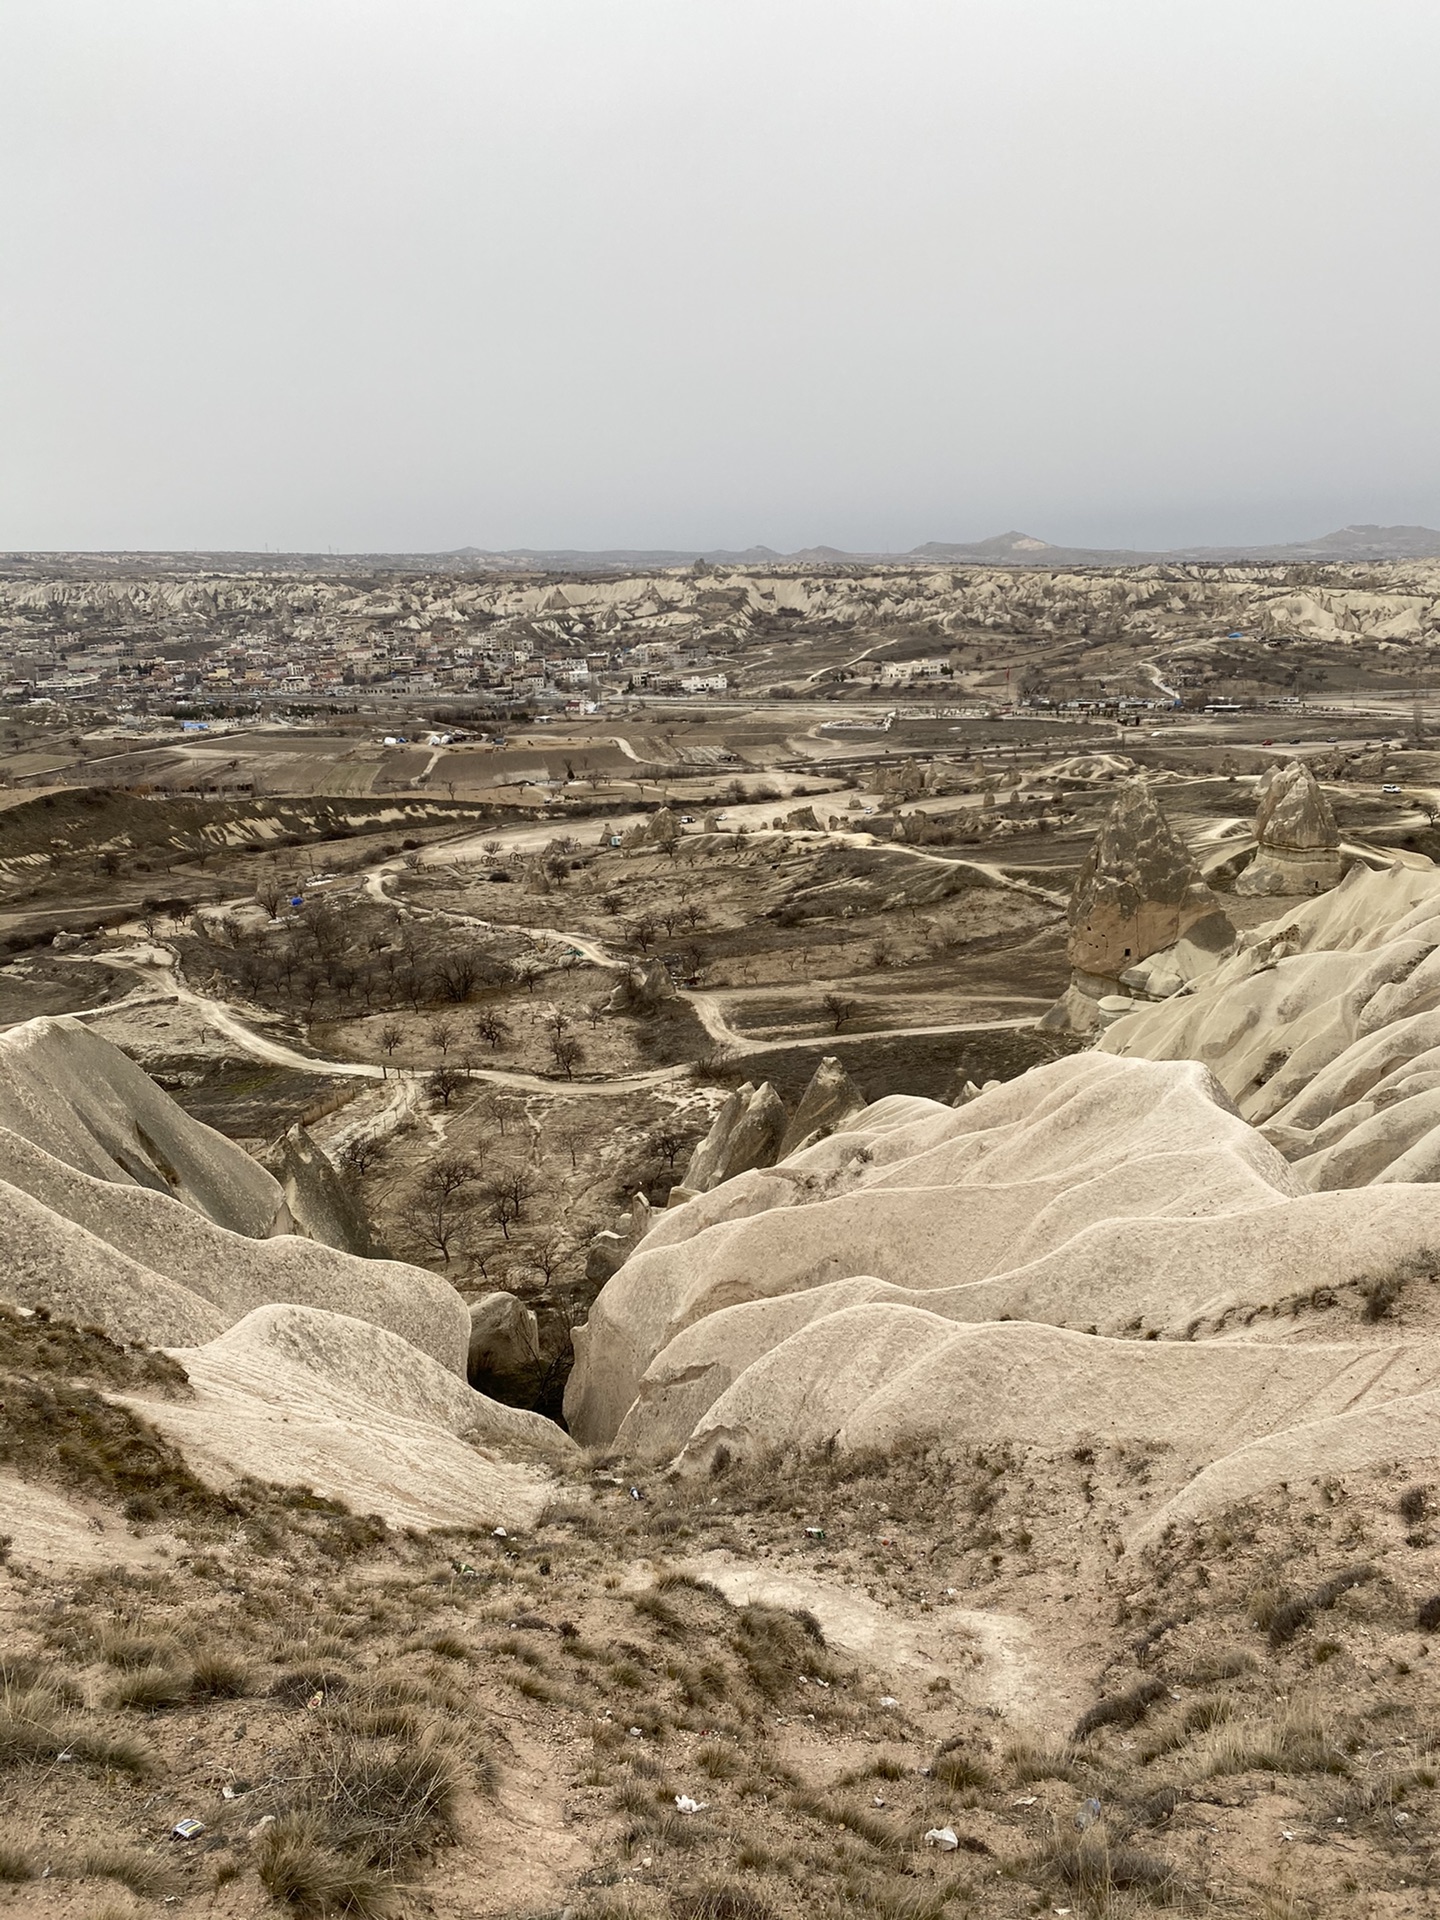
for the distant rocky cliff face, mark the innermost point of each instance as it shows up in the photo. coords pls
(727, 601)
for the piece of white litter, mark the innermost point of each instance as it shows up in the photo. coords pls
(499, 1534)
(637, 1733)
(1286, 1834)
(942, 1837)
(684, 1804)
(888, 1700)
(1025, 1800)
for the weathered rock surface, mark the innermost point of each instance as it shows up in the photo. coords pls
(86, 1103)
(318, 1202)
(1137, 894)
(1298, 848)
(947, 1277)
(828, 1102)
(745, 1133)
(310, 1364)
(504, 1357)
(641, 988)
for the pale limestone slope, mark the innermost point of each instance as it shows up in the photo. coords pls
(83, 1101)
(943, 1199)
(358, 1414)
(307, 1364)
(188, 1277)
(1324, 1028)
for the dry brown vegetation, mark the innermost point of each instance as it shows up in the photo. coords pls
(365, 1720)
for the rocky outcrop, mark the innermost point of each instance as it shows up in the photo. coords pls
(946, 1278)
(1137, 895)
(1298, 847)
(802, 820)
(319, 1204)
(641, 988)
(662, 829)
(827, 1103)
(504, 1358)
(746, 1133)
(612, 1246)
(80, 1099)
(306, 1363)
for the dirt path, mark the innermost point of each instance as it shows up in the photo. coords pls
(710, 1012)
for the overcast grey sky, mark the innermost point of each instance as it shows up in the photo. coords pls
(420, 273)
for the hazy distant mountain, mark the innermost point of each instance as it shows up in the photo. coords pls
(1012, 549)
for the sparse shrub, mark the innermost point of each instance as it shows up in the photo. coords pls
(1413, 1505)
(215, 1675)
(1292, 1615)
(954, 1768)
(300, 1867)
(1427, 1614)
(1120, 1709)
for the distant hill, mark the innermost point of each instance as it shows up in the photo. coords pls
(1012, 549)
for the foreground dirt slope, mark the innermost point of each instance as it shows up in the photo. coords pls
(833, 1655)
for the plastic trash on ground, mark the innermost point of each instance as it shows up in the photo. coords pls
(942, 1837)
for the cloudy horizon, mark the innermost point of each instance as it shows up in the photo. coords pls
(681, 274)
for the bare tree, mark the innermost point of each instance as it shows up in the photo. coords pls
(269, 894)
(457, 975)
(444, 1083)
(442, 1033)
(570, 1136)
(391, 1034)
(490, 1028)
(436, 1206)
(568, 1053)
(359, 1155)
(669, 1142)
(508, 1197)
(839, 1008)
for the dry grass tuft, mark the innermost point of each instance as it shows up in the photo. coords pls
(300, 1867)
(34, 1726)
(1295, 1740)
(16, 1864)
(219, 1676)
(386, 1800)
(142, 1873)
(1037, 1758)
(720, 1900)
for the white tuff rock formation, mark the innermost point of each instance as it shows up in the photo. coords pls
(1298, 848)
